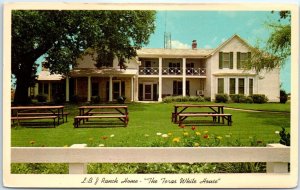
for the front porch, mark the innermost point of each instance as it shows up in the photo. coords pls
(107, 87)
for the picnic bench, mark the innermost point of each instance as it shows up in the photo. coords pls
(34, 113)
(101, 112)
(216, 112)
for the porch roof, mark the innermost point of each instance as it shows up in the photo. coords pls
(174, 53)
(102, 72)
(46, 75)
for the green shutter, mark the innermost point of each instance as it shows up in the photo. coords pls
(220, 60)
(249, 56)
(238, 63)
(231, 60)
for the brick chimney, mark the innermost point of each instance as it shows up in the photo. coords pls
(194, 44)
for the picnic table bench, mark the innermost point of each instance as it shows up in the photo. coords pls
(216, 112)
(33, 113)
(86, 112)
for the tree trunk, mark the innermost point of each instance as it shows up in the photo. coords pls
(24, 78)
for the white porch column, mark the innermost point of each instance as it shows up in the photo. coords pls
(246, 86)
(49, 91)
(110, 89)
(89, 89)
(236, 85)
(183, 76)
(160, 79)
(132, 89)
(67, 89)
(136, 89)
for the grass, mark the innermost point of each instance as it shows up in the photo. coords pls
(146, 120)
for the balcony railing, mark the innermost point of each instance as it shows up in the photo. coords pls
(172, 71)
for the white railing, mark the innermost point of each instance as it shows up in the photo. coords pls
(276, 156)
(172, 71)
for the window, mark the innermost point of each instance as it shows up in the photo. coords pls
(225, 60)
(220, 85)
(232, 86)
(174, 68)
(177, 87)
(250, 86)
(95, 89)
(242, 59)
(241, 86)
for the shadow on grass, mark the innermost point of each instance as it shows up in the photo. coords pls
(35, 124)
(203, 123)
(101, 124)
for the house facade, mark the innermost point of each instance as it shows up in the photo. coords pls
(156, 73)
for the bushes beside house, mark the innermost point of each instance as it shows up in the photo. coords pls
(41, 98)
(169, 99)
(240, 98)
(283, 97)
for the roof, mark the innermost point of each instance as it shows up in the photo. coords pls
(102, 72)
(172, 53)
(46, 75)
(228, 40)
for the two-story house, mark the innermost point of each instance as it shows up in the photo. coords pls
(156, 73)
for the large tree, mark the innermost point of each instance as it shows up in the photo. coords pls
(62, 36)
(278, 45)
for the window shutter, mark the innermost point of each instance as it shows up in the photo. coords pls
(231, 60)
(220, 60)
(123, 88)
(249, 56)
(238, 65)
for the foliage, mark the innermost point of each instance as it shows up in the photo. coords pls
(240, 98)
(59, 98)
(283, 97)
(41, 98)
(284, 137)
(121, 99)
(221, 98)
(95, 99)
(278, 45)
(61, 37)
(169, 99)
(259, 98)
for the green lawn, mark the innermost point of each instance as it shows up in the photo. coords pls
(146, 120)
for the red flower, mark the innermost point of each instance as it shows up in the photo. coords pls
(193, 128)
(104, 137)
(182, 126)
(205, 136)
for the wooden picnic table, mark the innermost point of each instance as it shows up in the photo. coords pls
(217, 111)
(107, 111)
(58, 111)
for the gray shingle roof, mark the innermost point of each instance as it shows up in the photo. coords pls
(192, 53)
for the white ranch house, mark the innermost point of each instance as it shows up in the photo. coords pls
(156, 73)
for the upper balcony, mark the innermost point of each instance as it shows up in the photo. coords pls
(172, 71)
(173, 67)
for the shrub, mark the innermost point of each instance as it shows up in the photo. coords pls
(207, 99)
(221, 98)
(74, 99)
(259, 98)
(41, 98)
(238, 98)
(283, 97)
(249, 100)
(59, 98)
(121, 99)
(169, 99)
(284, 137)
(95, 99)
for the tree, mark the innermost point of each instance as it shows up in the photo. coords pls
(62, 36)
(278, 45)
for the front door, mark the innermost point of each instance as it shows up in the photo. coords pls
(116, 89)
(148, 92)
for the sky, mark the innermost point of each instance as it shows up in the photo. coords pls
(211, 28)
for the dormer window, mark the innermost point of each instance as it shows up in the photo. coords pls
(226, 60)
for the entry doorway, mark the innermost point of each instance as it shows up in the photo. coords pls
(148, 91)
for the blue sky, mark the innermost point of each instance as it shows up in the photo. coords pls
(211, 28)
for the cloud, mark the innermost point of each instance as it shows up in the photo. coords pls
(223, 40)
(179, 45)
(207, 46)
